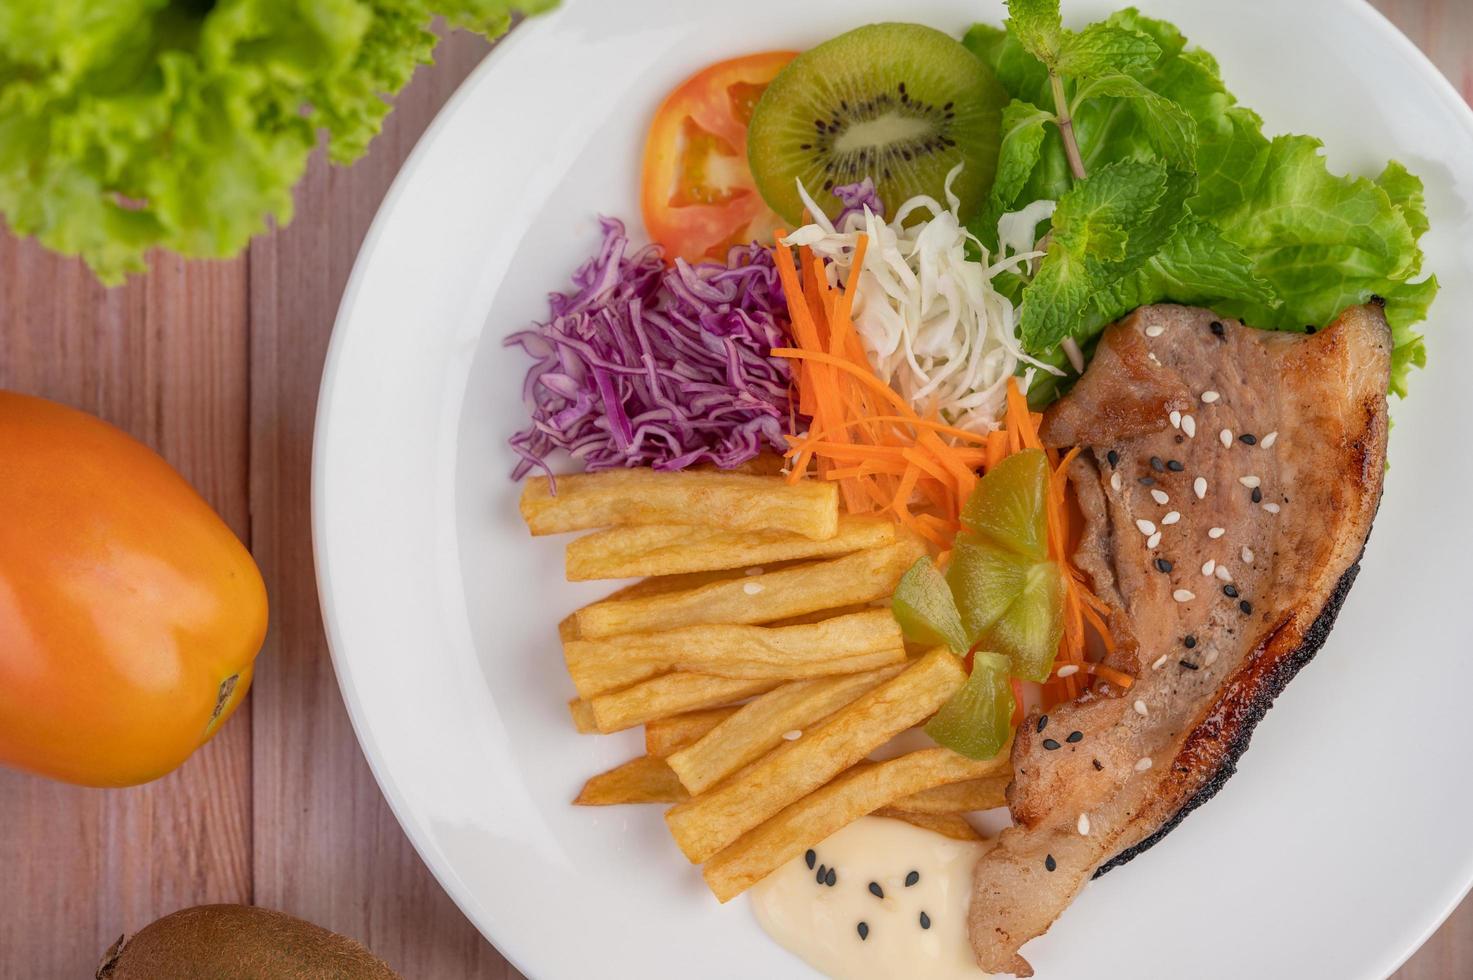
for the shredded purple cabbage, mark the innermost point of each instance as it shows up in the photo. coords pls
(649, 365)
(855, 198)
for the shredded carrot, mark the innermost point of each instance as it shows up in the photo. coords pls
(889, 458)
(864, 435)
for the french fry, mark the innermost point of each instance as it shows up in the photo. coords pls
(734, 501)
(670, 694)
(815, 817)
(842, 645)
(860, 577)
(962, 797)
(952, 825)
(763, 464)
(632, 551)
(708, 823)
(820, 615)
(759, 725)
(582, 713)
(642, 780)
(665, 735)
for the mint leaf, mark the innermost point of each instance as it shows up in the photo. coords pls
(1090, 246)
(1167, 126)
(1023, 131)
(1038, 27)
(1102, 49)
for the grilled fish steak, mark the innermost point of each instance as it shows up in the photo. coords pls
(1229, 482)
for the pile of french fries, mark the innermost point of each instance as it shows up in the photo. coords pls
(759, 654)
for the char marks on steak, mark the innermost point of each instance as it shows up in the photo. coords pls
(1287, 433)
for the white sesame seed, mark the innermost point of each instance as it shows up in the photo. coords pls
(793, 735)
(1143, 764)
(1223, 573)
(1160, 662)
(1216, 532)
(1175, 418)
(1155, 330)
(1159, 496)
(1171, 518)
(755, 570)
(1140, 707)
(1068, 670)
(1210, 659)
(1226, 435)
(1083, 825)
(1268, 441)
(1250, 481)
(1145, 527)
(1199, 487)
(1182, 595)
(1271, 508)
(1153, 540)
(1115, 482)
(1189, 426)
(1247, 554)
(1208, 566)
(753, 588)
(1208, 397)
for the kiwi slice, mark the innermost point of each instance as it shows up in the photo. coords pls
(899, 103)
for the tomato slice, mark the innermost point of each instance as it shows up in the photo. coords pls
(697, 195)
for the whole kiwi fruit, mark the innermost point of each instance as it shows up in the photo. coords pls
(238, 942)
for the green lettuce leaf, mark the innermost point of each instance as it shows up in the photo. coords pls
(133, 124)
(1267, 232)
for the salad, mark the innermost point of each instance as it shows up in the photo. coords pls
(1016, 391)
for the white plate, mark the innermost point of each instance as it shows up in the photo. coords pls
(1334, 853)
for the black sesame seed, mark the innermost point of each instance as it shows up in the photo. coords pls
(1075, 737)
(876, 890)
(1256, 496)
(1163, 565)
(1042, 723)
(1113, 458)
(863, 931)
(1231, 591)
(1188, 664)
(1147, 481)
(912, 878)
(1157, 464)
(1049, 862)
(925, 921)
(1050, 744)
(810, 857)
(1247, 607)
(1189, 642)
(830, 878)
(823, 871)
(1174, 465)
(1248, 439)
(1216, 328)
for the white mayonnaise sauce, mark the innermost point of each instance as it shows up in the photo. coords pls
(821, 923)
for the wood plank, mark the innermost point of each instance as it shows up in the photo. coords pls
(327, 847)
(165, 359)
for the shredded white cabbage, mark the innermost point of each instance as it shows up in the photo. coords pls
(932, 324)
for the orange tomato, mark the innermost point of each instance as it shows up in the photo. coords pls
(697, 194)
(130, 615)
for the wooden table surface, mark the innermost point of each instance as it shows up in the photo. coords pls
(216, 365)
